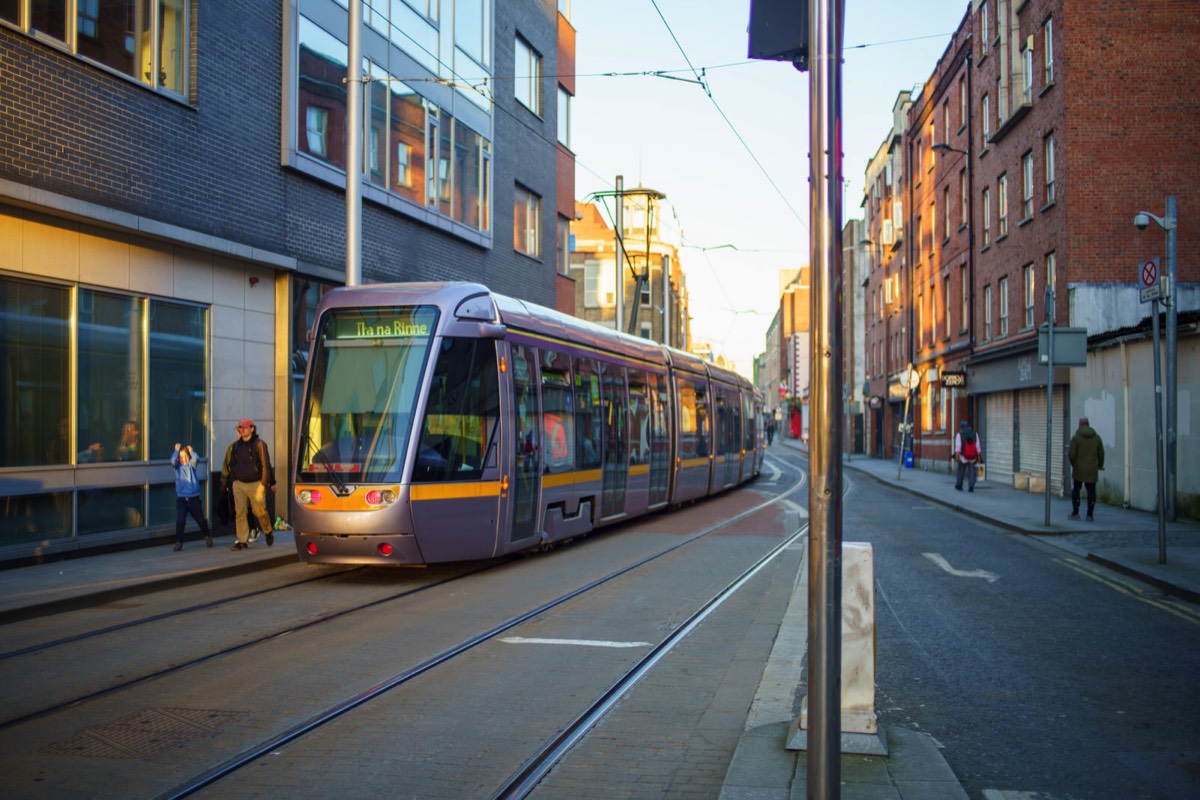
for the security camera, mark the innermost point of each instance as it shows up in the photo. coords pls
(1141, 221)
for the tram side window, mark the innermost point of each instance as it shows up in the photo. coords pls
(639, 419)
(462, 414)
(723, 422)
(693, 419)
(588, 416)
(558, 413)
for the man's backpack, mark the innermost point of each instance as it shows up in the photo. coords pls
(970, 445)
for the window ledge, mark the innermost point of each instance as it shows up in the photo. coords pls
(1000, 237)
(985, 248)
(1047, 87)
(1048, 206)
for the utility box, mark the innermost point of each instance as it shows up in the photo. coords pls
(1021, 481)
(779, 31)
(1037, 483)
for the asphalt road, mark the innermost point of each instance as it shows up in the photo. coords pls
(1036, 670)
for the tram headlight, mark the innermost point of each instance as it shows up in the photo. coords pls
(309, 496)
(380, 497)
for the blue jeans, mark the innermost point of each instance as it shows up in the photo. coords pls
(183, 507)
(965, 470)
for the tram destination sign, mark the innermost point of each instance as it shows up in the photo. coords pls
(385, 323)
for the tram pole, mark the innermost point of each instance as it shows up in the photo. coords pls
(825, 378)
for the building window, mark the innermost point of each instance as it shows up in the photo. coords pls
(564, 118)
(987, 218)
(946, 121)
(1003, 291)
(983, 27)
(946, 213)
(152, 46)
(1027, 76)
(985, 116)
(962, 103)
(945, 301)
(1048, 52)
(527, 214)
(987, 313)
(966, 296)
(591, 285)
(1049, 142)
(1027, 185)
(1001, 100)
(527, 76)
(472, 26)
(917, 238)
(562, 241)
(1051, 271)
(140, 384)
(963, 199)
(316, 129)
(921, 319)
(1002, 206)
(1029, 290)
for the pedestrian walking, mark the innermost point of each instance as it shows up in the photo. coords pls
(247, 469)
(187, 494)
(966, 455)
(1086, 454)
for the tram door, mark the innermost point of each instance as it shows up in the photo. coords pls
(526, 459)
(616, 448)
(660, 441)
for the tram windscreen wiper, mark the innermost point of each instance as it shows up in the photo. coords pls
(309, 444)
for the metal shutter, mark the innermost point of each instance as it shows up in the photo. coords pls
(998, 442)
(1033, 436)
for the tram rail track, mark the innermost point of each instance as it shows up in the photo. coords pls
(537, 765)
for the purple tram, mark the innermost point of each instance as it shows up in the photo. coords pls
(442, 422)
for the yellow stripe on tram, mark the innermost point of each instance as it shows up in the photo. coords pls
(454, 491)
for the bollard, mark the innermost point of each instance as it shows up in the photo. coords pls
(859, 722)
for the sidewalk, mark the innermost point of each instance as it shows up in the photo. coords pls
(914, 769)
(28, 592)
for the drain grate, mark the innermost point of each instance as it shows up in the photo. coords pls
(146, 734)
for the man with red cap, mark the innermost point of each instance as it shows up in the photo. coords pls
(248, 472)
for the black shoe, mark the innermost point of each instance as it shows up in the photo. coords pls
(1074, 515)
(239, 546)
(1089, 518)
(178, 546)
(207, 540)
(958, 488)
(270, 539)
(971, 489)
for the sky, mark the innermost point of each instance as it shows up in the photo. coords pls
(734, 166)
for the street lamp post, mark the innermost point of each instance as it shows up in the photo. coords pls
(1169, 223)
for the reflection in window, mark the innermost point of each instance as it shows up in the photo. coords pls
(102, 510)
(10, 11)
(472, 28)
(321, 91)
(468, 175)
(35, 517)
(35, 359)
(178, 403)
(462, 414)
(110, 376)
(49, 17)
(406, 112)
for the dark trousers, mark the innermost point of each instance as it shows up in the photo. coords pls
(1091, 496)
(183, 507)
(966, 469)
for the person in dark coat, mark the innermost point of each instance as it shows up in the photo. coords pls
(1086, 454)
(247, 468)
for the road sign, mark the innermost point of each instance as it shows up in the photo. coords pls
(1153, 284)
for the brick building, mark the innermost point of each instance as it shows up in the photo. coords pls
(1043, 129)
(172, 207)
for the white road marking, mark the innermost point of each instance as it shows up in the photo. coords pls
(578, 642)
(1008, 794)
(936, 558)
(773, 472)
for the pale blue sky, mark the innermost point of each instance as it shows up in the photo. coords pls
(668, 135)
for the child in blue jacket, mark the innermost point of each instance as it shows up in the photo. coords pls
(187, 491)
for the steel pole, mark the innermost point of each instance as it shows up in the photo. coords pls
(1158, 437)
(354, 146)
(619, 224)
(1172, 226)
(825, 378)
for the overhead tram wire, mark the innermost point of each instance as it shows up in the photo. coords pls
(716, 105)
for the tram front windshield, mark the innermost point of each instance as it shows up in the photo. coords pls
(363, 387)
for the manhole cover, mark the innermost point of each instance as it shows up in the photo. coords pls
(146, 734)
